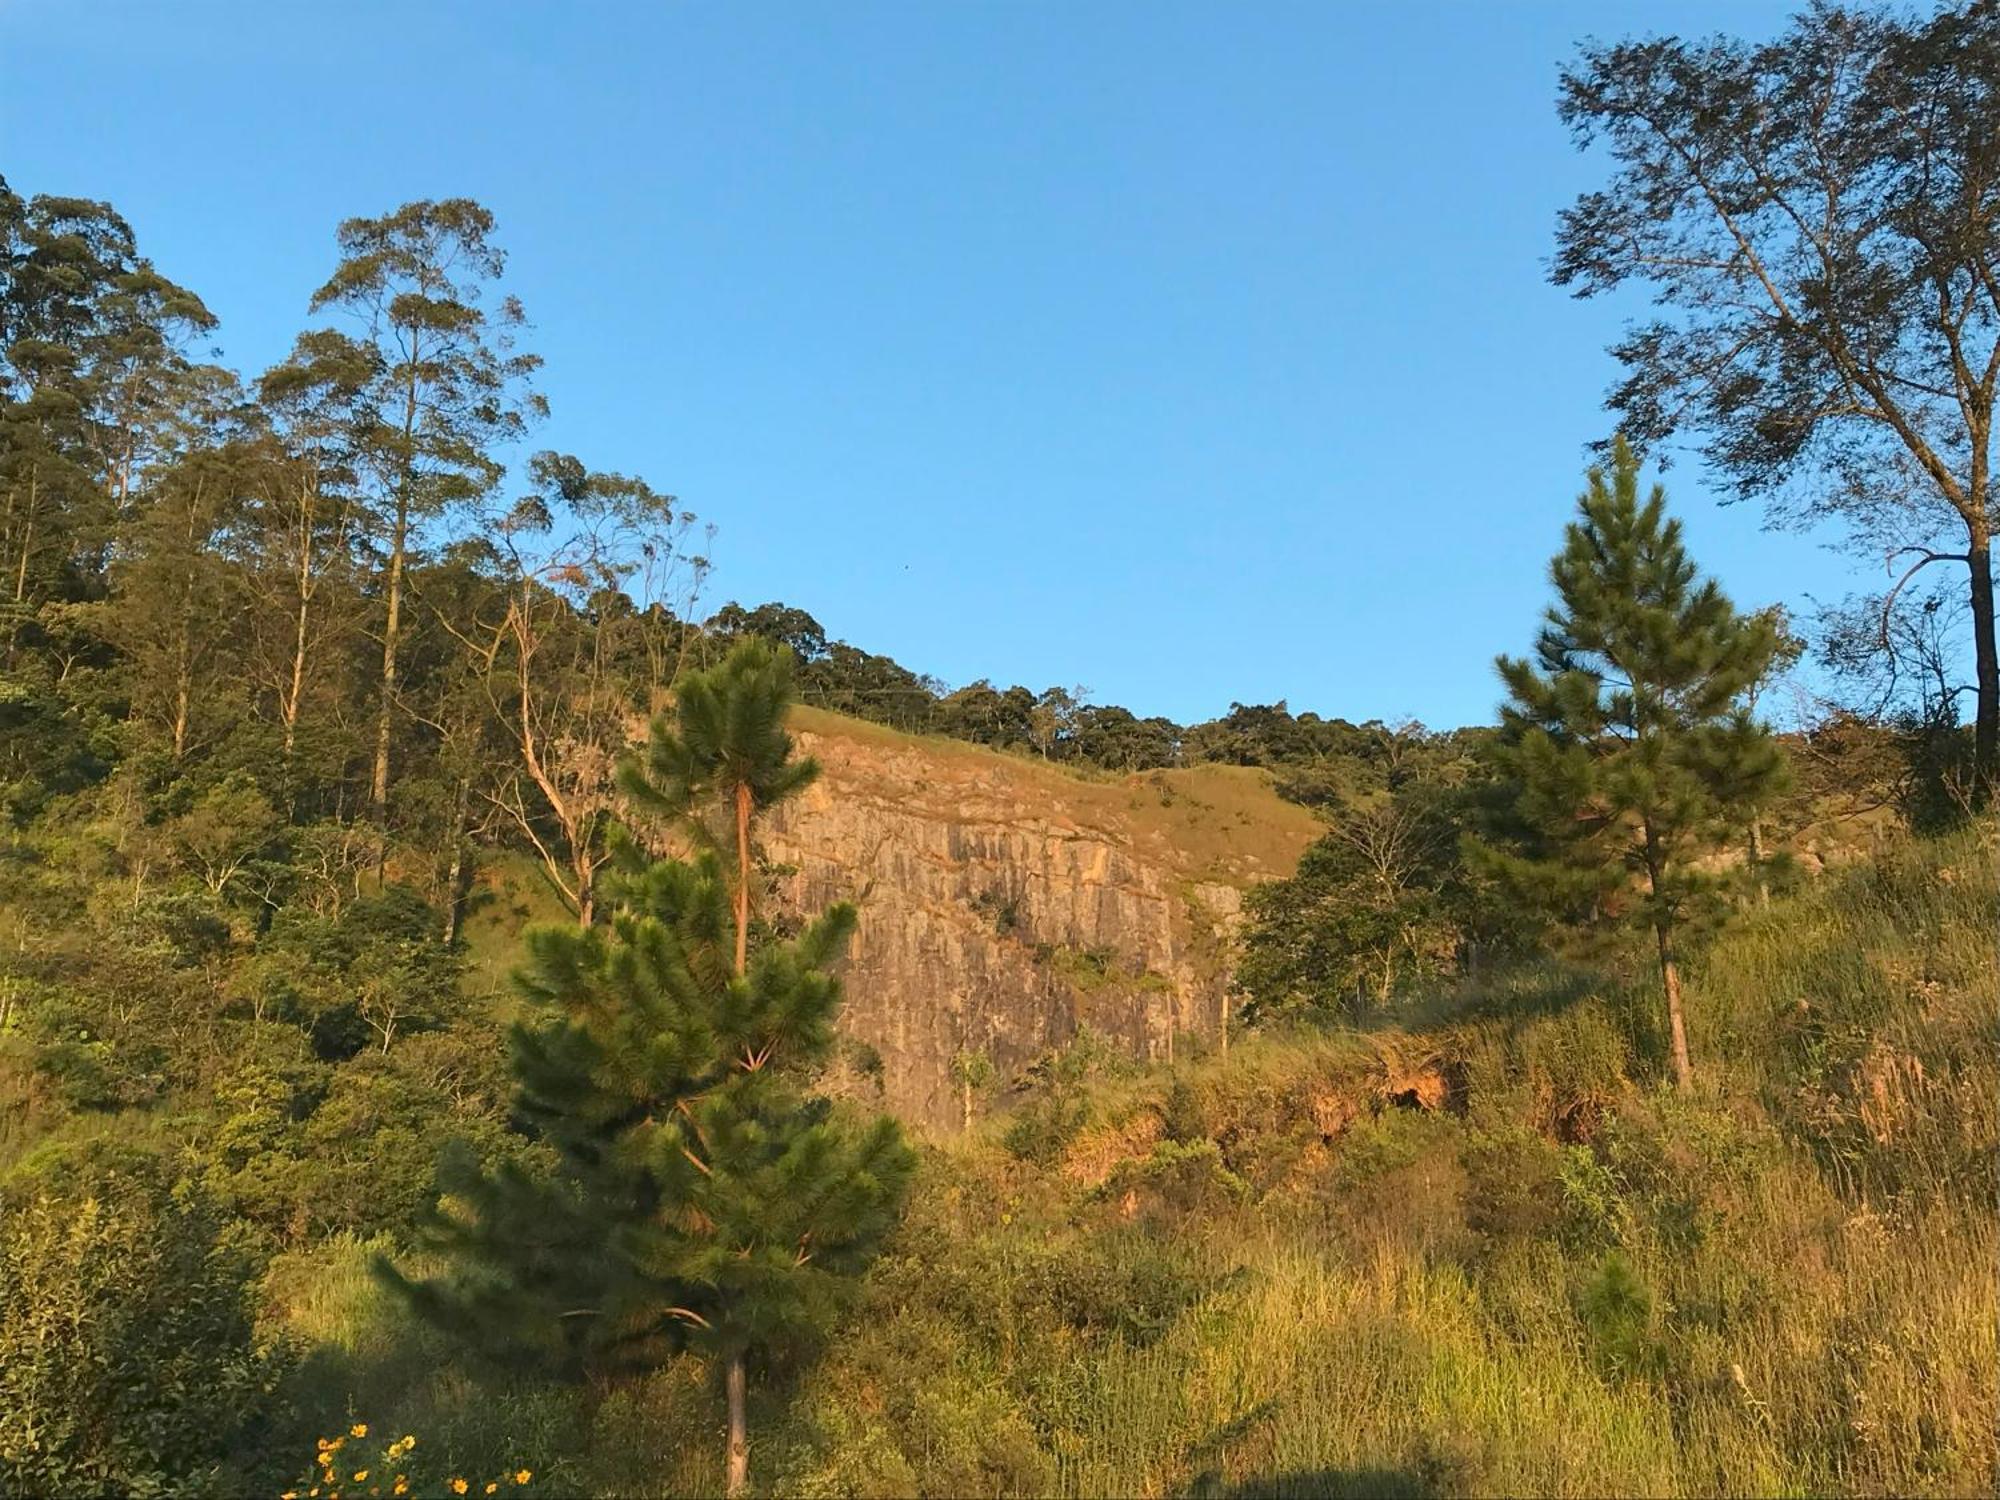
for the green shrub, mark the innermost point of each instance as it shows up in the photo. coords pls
(1514, 1189)
(1616, 1307)
(1042, 1129)
(1180, 1178)
(1181, 1117)
(128, 1361)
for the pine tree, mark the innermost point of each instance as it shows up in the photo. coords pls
(728, 753)
(701, 1197)
(1627, 739)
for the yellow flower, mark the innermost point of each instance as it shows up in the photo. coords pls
(359, 1429)
(522, 1476)
(492, 1489)
(289, 1495)
(459, 1486)
(402, 1486)
(409, 1443)
(324, 1444)
(359, 1475)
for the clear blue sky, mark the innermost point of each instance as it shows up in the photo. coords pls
(1191, 352)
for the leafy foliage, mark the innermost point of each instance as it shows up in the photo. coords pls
(128, 1358)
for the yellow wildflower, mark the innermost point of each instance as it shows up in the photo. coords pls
(459, 1486)
(360, 1475)
(359, 1429)
(324, 1444)
(402, 1486)
(408, 1443)
(289, 1495)
(522, 1476)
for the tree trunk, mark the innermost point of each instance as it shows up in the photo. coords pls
(182, 706)
(1757, 861)
(585, 868)
(184, 675)
(295, 689)
(965, 1090)
(742, 875)
(1670, 975)
(454, 881)
(1670, 971)
(392, 625)
(739, 1438)
(27, 533)
(1986, 659)
(399, 544)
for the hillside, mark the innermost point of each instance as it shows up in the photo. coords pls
(1488, 1253)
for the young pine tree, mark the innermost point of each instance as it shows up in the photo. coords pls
(700, 1197)
(1626, 737)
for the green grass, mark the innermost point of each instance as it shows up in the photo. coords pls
(510, 893)
(1207, 822)
(1566, 1280)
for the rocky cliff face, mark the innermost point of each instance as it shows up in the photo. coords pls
(1005, 903)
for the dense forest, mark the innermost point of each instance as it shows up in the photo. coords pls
(1606, 1104)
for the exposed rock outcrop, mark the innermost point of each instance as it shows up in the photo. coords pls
(1005, 903)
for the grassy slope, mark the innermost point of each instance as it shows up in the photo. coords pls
(1319, 1292)
(1215, 822)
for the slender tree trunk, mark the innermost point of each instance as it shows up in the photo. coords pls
(391, 629)
(399, 544)
(739, 1437)
(184, 676)
(742, 875)
(454, 889)
(1670, 976)
(585, 870)
(1757, 861)
(295, 690)
(1986, 660)
(27, 546)
(1670, 971)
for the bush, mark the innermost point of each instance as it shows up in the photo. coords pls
(1181, 1117)
(1515, 1189)
(128, 1362)
(1616, 1307)
(1179, 1179)
(1042, 1129)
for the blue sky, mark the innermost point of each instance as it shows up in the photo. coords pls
(1190, 352)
